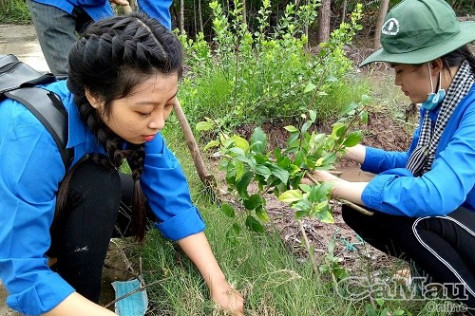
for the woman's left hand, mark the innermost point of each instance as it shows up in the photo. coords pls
(324, 176)
(227, 297)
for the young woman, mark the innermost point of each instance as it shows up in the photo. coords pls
(122, 85)
(424, 199)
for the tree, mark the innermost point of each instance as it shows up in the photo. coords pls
(324, 12)
(383, 9)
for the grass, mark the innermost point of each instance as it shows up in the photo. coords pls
(14, 11)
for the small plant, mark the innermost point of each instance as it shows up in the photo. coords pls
(280, 171)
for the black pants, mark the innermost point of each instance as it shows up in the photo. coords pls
(444, 247)
(81, 234)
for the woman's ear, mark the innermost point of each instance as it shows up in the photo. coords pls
(437, 66)
(93, 99)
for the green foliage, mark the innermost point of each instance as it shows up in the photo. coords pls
(14, 11)
(245, 77)
(281, 170)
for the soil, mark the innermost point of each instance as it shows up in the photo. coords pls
(382, 131)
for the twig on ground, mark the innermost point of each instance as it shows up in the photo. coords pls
(141, 288)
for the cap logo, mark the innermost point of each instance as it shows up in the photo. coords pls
(391, 27)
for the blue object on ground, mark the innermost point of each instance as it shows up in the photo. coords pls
(132, 305)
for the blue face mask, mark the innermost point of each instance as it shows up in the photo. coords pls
(434, 99)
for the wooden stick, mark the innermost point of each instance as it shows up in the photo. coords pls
(205, 176)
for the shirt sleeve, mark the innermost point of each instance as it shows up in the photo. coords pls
(159, 10)
(31, 171)
(167, 192)
(439, 191)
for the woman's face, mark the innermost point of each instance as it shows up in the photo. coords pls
(140, 115)
(414, 81)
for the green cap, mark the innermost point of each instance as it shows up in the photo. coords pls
(419, 31)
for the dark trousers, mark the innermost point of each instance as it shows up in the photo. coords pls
(444, 247)
(81, 233)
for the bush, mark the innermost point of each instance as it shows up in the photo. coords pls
(245, 77)
(14, 11)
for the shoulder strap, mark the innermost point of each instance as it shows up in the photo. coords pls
(17, 81)
(49, 110)
(14, 74)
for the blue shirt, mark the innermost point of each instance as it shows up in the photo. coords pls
(448, 185)
(31, 170)
(99, 9)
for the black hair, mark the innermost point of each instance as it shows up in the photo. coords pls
(458, 56)
(112, 56)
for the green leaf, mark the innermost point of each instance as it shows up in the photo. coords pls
(313, 115)
(240, 142)
(239, 167)
(211, 144)
(325, 217)
(259, 140)
(253, 202)
(243, 183)
(309, 88)
(353, 139)
(364, 117)
(253, 224)
(305, 126)
(304, 187)
(262, 170)
(291, 129)
(233, 233)
(280, 173)
(291, 196)
(228, 210)
(237, 151)
(204, 126)
(262, 214)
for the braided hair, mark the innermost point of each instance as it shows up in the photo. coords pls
(108, 61)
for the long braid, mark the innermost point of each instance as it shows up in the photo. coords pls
(111, 58)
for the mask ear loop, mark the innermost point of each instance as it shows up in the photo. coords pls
(430, 79)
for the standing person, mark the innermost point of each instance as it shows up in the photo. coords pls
(58, 22)
(424, 199)
(122, 85)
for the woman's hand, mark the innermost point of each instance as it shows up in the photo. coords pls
(199, 251)
(227, 298)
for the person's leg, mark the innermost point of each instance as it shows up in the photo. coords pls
(447, 252)
(56, 33)
(441, 246)
(82, 231)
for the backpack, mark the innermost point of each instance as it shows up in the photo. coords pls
(18, 81)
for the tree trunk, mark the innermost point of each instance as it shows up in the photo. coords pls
(324, 12)
(343, 15)
(200, 16)
(182, 17)
(383, 9)
(195, 18)
(244, 17)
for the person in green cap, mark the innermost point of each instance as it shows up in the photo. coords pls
(423, 200)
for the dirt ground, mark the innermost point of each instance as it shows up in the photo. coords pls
(381, 132)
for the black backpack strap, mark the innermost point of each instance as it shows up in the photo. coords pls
(14, 74)
(50, 111)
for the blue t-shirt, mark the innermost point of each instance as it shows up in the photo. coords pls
(31, 172)
(99, 9)
(448, 185)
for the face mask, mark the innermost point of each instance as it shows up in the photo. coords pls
(434, 99)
